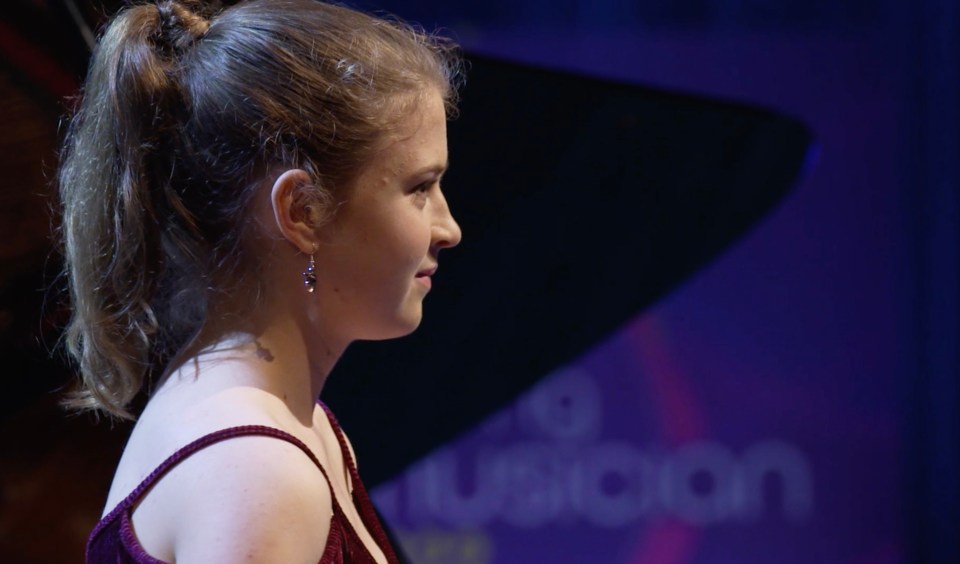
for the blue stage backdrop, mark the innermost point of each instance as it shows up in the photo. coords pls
(754, 415)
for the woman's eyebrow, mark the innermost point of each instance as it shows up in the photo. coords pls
(436, 169)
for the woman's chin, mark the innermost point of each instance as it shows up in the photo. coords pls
(401, 326)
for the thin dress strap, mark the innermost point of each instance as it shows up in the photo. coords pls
(215, 437)
(207, 440)
(363, 503)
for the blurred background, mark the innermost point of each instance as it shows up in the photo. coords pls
(793, 400)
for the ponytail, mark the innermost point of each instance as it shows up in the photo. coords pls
(115, 162)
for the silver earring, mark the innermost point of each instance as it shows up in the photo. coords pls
(310, 275)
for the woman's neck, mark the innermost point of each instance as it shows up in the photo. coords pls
(279, 357)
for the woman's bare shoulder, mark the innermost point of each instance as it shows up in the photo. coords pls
(250, 498)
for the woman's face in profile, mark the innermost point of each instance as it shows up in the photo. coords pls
(376, 258)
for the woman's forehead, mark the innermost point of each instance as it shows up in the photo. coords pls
(419, 144)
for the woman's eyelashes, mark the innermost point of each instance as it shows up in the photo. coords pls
(424, 186)
(422, 191)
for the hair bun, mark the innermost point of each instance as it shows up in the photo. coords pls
(183, 22)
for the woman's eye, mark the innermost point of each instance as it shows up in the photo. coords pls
(424, 186)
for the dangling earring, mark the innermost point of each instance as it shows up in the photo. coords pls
(310, 275)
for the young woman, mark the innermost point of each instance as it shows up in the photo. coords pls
(246, 191)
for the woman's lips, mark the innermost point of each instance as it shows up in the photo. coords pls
(425, 280)
(424, 276)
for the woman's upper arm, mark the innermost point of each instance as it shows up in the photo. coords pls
(253, 499)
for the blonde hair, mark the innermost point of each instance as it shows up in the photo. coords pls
(184, 110)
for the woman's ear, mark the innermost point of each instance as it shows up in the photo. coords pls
(298, 208)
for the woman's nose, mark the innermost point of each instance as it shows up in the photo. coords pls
(446, 229)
